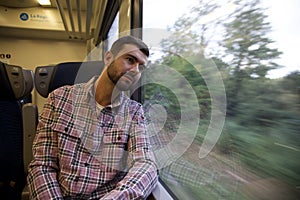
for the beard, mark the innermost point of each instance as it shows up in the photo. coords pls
(112, 74)
(123, 81)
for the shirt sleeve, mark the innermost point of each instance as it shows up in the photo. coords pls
(142, 175)
(42, 173)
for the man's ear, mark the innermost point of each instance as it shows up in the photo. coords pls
(108, 58)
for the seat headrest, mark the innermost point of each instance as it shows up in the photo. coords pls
(15, 82)
(48, 78)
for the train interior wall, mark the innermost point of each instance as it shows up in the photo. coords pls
(30, 53)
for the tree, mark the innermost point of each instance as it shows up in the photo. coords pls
(188, 37)
(247, 44)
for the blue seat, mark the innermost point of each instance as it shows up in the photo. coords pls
(16, 85)
(48, 78)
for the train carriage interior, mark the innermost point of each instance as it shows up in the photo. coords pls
(221, 91)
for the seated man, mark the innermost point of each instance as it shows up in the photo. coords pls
(91, 140)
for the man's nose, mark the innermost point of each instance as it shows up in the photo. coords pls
(135, 67)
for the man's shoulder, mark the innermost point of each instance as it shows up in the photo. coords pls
(129, 102)
(63, 90)
(130, 106)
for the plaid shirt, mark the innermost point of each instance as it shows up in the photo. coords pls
(79, 155)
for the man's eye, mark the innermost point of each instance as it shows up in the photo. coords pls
(130, 60)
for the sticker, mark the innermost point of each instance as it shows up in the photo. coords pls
(24, 16)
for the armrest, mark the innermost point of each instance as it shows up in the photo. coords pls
(25, 193)
(29, 116)
(160, 193)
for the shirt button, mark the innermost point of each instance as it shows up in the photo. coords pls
(86, 164)
(66, 129)
(119, 138)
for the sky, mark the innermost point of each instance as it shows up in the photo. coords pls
(284, 17)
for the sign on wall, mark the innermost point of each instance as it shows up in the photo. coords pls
(33, 18)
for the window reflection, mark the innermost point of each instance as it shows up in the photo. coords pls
(256, 155)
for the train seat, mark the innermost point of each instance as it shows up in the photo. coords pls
(48, 78)
(16, 85)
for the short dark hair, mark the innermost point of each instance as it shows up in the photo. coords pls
(119, 43)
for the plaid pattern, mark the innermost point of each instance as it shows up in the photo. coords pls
(79, 155)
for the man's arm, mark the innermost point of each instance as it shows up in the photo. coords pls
(42, 174)
(142, 177)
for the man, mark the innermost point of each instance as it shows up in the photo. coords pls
(91, 141)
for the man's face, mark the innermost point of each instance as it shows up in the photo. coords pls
(126, 67)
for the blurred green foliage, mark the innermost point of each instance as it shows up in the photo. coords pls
(263, 114)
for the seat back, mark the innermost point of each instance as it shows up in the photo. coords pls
(48, 78)
(16, 85)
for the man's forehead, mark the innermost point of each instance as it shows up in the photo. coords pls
(132, 49)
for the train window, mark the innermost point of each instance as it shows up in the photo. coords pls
(222, 97)
(113, 31)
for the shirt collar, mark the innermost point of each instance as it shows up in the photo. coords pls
(90, 87)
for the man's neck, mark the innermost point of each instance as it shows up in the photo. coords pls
(105, 90)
